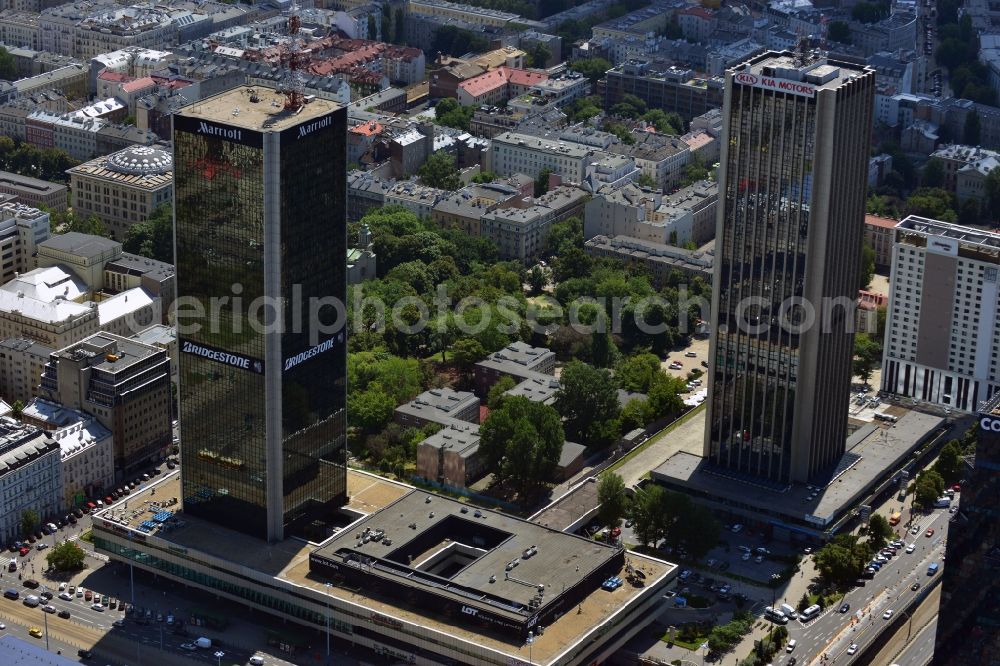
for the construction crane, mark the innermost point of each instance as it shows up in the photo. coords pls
(295, 60)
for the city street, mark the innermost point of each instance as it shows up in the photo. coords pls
(834, 632)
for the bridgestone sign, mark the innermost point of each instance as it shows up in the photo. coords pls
(222, 356)
(776, 85)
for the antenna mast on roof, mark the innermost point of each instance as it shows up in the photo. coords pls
(292, 85)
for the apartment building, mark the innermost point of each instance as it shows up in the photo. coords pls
(21, 364)
(86, 449)
(515, 152)
(955, 157)
(879, 234)
(520, 233)
(669, 88)
(30, 476)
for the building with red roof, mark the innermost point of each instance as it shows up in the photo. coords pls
(497, 85)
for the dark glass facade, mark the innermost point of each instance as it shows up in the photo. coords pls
(314, 353)
(260, 236)
(793, 173)
(968, 630)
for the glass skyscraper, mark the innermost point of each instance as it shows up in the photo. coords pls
(968, 630)
(793, 176)
(260, 238)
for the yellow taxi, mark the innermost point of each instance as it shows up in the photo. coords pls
(35, 631)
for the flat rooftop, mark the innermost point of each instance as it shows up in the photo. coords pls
(565, 511)
(871, 452)
(234, 108)
(820, 73)
(288, 561)
(419, 524)
(967, 236)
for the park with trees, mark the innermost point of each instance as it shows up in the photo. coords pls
(472, 304)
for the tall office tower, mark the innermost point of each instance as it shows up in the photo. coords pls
(968, 630)
(260, 239)
(941, 333)
(788, 240)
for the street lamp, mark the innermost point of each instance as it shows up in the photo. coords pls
(219, 654)
(327, 586)
(45, 617)
(531, 639)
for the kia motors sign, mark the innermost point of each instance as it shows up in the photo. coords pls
(777, 85)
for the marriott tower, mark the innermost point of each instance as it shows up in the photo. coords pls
(260, 237)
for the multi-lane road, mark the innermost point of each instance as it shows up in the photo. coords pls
(832, 633)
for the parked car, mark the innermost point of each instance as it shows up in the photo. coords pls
(97, 607)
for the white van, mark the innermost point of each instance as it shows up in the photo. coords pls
(788, 610)
(31, 601)
(791, 645)
(203, 643)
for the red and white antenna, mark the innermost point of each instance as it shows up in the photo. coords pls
(292, 85)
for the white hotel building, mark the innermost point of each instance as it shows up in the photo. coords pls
(941, 338)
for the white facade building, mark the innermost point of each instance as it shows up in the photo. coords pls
(30, 476)
(513, 152)
(86, 449)
(942, 340)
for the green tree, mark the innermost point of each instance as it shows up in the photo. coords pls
(593, 68)
(614, 501)
(521, 443)
(645, 180)
(588, 401)
(8, 68)
(484, 176)
(495, 397)
(66, 556)
(569, 234)
(664, 396)
(449, 40)
(538, 56)
(583, 108)
(924, 494)
(839, 31)
(603, 351)
(867, 356)
(440, 171)
(949, 462)
(879, 532)
(537, 280)
(542, 182)
(646, 511)
(373, 33)
(450, 113)
(630, 106)
(371, 409)
(153, 238)
(803, 602)
(867, 263)
(933, 174)
(971, 133)
(467, 351)
(664, 122)
(695, 170)
(870, 12)
(841, 561)
(638, 372)
(623, 133)
(934, 203)
(17, 409)
(29, 521)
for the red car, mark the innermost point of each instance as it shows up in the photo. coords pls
(24, 550)
(929, 533)
(957, 487)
